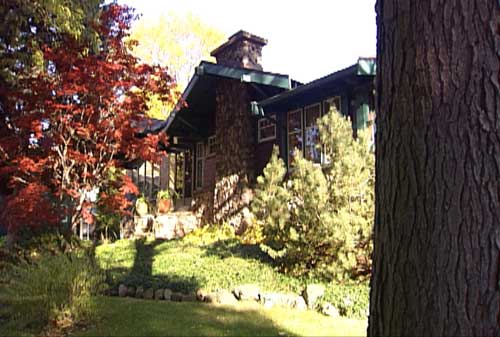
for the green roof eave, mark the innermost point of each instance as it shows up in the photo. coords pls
(367, 66)
(244, 75)
(363, 68)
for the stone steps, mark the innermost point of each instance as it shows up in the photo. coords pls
(167, 226)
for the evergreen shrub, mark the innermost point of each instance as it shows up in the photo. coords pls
(318, 221)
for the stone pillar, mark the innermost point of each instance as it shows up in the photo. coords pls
(235, 169)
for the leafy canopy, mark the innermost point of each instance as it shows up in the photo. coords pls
(70, 126)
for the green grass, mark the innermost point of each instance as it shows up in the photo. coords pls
(212, 259)
(185, 266)
(132, 317)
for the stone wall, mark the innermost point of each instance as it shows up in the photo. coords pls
(203, 205)
(235, 167)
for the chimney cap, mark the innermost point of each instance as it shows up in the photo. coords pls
(240, 35)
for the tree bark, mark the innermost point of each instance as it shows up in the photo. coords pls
(436, 261)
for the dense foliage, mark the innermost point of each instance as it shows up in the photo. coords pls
(73, 123)
(318, 221)
(27, 26)
(50, 289)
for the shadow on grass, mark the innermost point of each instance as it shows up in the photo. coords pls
(129, 317)
(141, 273)
(233, 247)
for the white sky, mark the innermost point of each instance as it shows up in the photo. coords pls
(307, 39)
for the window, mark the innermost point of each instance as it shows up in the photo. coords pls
(212, 146)
(200, 161)
(266, 129)
(332, 102)
(312, 149)
(295, 141)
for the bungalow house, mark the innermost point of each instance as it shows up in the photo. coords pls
(221, 140)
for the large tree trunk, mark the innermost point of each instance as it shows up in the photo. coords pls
(436, 268)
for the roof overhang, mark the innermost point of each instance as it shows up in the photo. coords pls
(198, 99)
(360, 72)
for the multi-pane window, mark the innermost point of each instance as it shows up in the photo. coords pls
(266, 129)
(200, 161)
(303, 132)
(295, 140)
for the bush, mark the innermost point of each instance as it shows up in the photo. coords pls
(351, 299)
(318, 222)
(53, 288)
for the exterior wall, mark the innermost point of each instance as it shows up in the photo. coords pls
(209, 172)
(235, 166)
(351, 99)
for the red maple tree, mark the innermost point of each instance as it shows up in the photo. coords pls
(72, 125)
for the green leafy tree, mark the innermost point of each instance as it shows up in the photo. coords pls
(27, 26)
(179, 42)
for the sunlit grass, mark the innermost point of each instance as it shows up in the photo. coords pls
(132, 317)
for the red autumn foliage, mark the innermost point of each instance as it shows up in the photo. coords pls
(30, 206)
(72, 124)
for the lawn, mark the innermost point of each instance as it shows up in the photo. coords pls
(133, 317)
(212, 260)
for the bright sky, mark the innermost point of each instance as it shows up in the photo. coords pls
(307, 39)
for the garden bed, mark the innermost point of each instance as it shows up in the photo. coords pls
(212, 260)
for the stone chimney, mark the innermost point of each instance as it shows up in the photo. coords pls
(242, 50)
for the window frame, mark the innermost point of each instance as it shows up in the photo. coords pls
(301, 132)
(212, 141)
(198, 184)
(272, 124)
(304, 127)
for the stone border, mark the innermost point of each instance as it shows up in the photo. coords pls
(246, 292)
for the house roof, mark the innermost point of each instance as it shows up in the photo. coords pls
(309, 93)
(199, 95)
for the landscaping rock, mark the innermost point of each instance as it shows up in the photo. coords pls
(188, 298)
(177, 297)
(329, 310)
(139, 293)
(149, 294)
(312, 293)
(200, 294)
(167, 294)
(269, 300)
(210, 298)
(299, 303)
(131, 291)
(247, 292)
(225, 297)
(122, 290)
(285, 300)
(159, 294)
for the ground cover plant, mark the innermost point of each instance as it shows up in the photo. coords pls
(213, 258)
